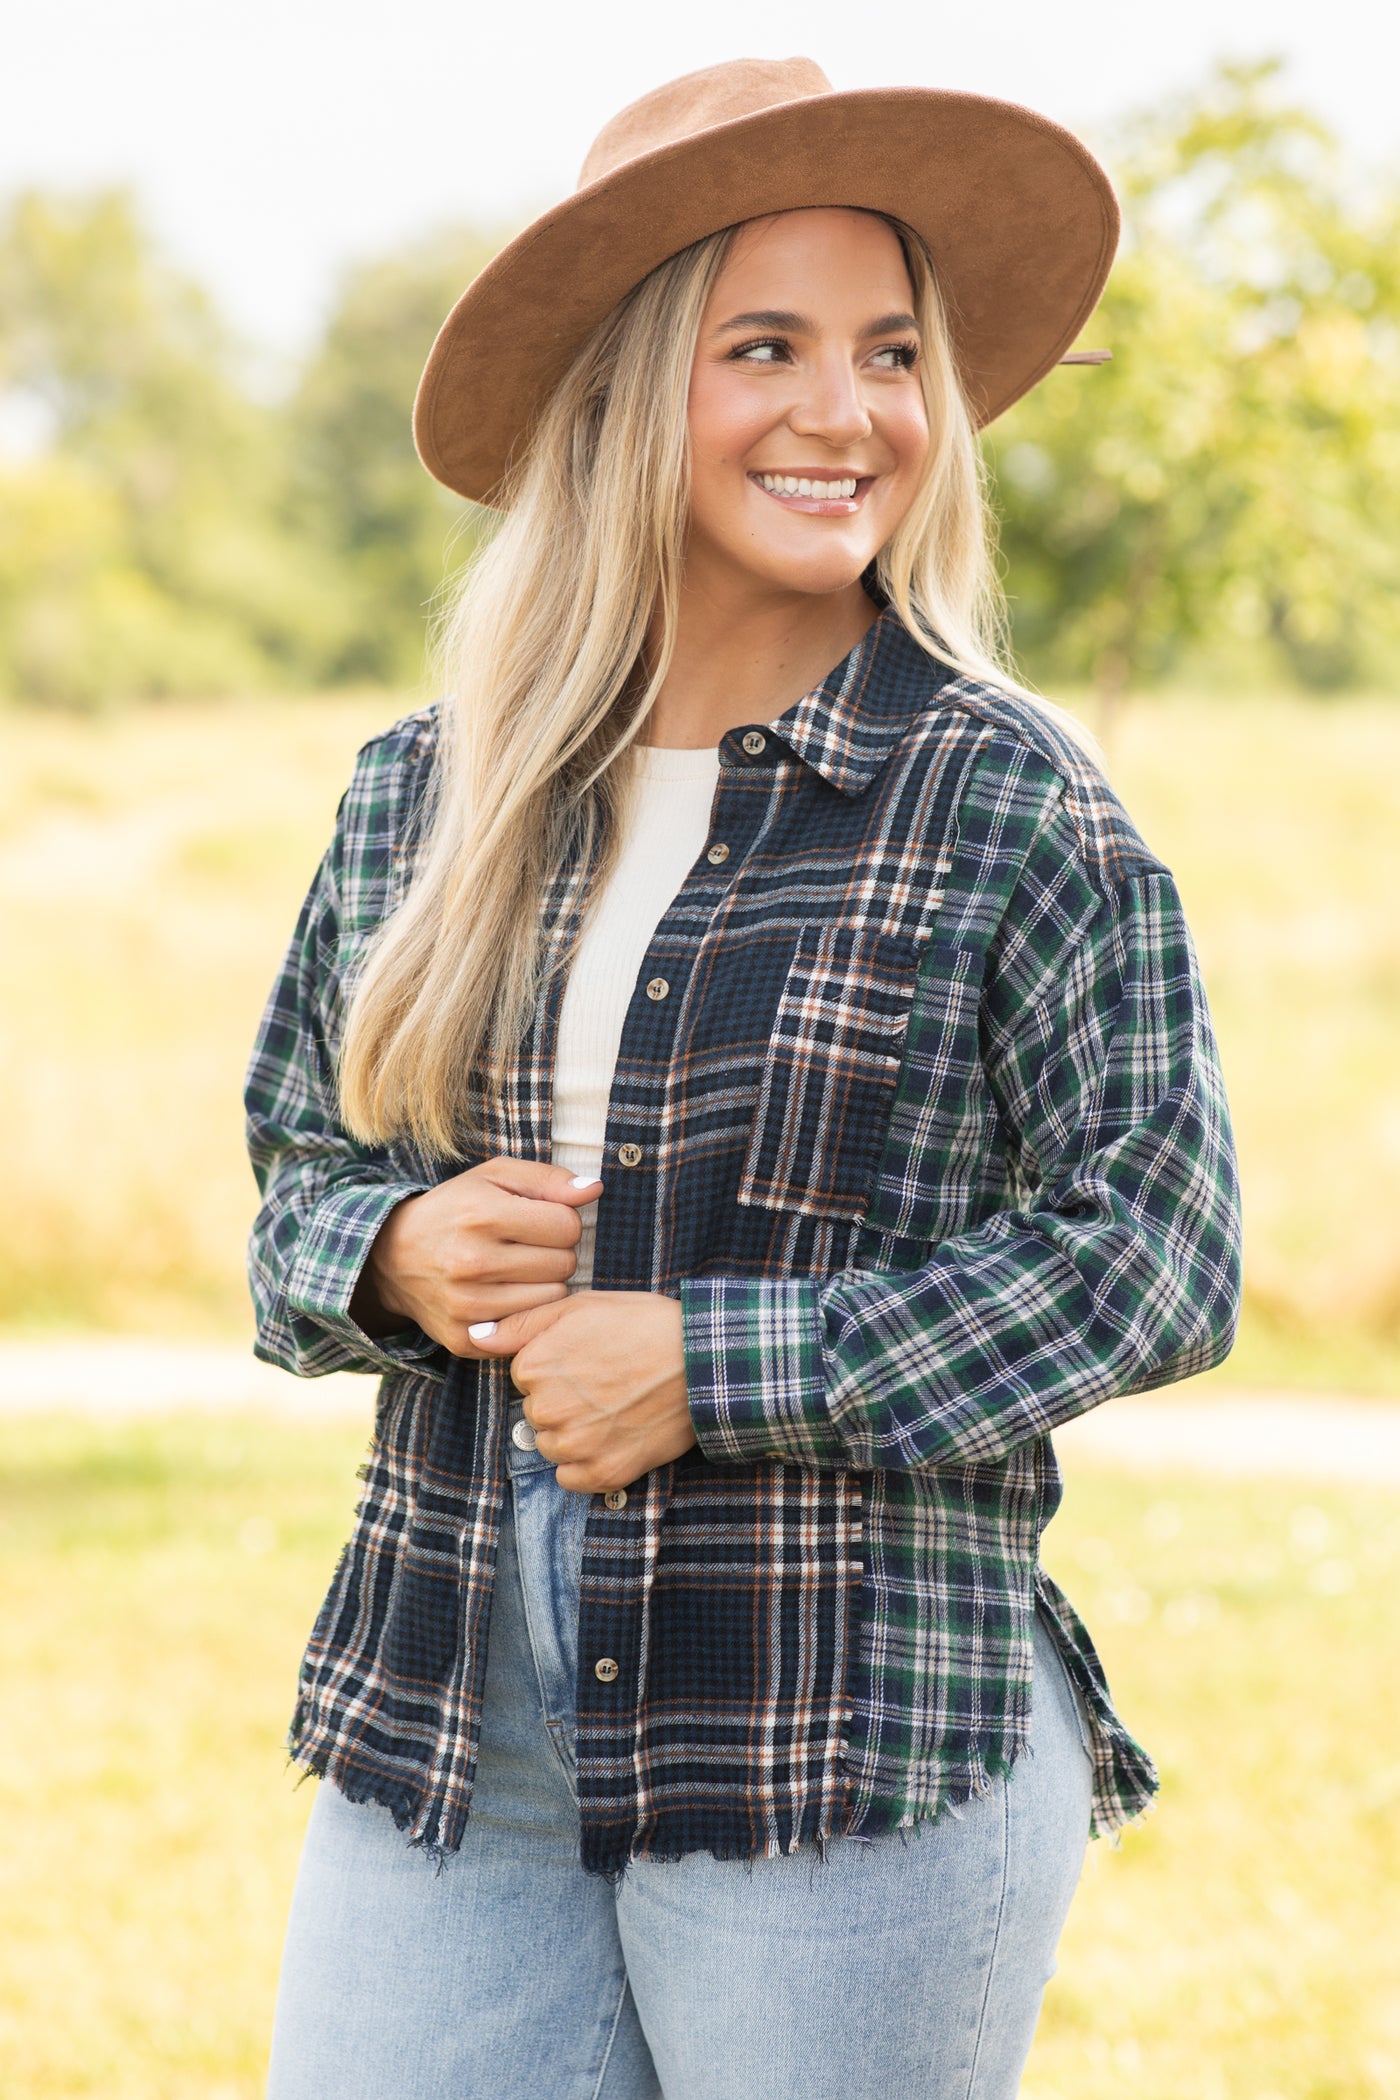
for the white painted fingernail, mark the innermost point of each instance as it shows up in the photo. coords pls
(586, 1181)
(483, 1330)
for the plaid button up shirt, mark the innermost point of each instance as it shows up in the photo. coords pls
(933, 1151)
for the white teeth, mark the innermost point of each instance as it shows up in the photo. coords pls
(818, 491)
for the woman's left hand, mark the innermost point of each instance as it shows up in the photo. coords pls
(603, 1375)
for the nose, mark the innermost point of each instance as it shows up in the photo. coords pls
(832, 407)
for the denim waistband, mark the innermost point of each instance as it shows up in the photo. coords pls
(518, 1460)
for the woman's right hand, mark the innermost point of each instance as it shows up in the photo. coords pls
(495, 1240)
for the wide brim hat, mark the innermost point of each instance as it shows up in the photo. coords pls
(1020, 219)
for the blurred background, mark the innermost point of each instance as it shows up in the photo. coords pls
(226, 241)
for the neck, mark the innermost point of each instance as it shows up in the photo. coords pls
(745, 655)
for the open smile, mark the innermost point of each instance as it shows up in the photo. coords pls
(820, 495)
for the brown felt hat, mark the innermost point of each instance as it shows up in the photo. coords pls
(1019, 217)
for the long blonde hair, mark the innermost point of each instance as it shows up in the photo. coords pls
(543, 653)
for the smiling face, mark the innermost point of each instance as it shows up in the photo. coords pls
(808, 430)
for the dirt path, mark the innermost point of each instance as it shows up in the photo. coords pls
(1208, 1428)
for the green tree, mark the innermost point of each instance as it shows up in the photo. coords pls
(1228, 482)
(145, 541)
(1227, 486)
(362, 488)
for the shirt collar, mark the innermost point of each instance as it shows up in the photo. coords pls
(846, 727)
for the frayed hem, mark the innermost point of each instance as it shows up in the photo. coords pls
(872, 1825)
(974, 1782)
(1112, 1834)
(366, 1789)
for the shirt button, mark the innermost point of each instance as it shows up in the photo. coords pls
(716, 854)
(615, 1498)
(630, 1155)
(605, 1669)
(658, 988)
(754, 743)
(522, 1435)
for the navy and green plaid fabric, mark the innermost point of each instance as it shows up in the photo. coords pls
(933, 1150)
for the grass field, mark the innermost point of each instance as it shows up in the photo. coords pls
(156, 1583)
(152, 863)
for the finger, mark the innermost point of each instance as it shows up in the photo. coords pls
(532, 1221)
(484, 1267)
(526, 1221)
(504, 1337)
(485, 1308)
(542, 1182)
(592, 1476)
(499, 1301)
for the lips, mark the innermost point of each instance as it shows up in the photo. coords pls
(815, 493)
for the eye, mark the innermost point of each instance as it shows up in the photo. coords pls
(902, 357)
(764, 350)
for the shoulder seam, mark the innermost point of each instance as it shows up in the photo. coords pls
(1112, 848)
(411, 732)
(378, 809)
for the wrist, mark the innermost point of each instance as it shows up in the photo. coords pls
(375, 1305)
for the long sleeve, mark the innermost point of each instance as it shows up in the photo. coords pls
(324, 1196)
(1117, 1270)
(929, 1142)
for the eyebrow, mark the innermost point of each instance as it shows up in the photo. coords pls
(802, 324)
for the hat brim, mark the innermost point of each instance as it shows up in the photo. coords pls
(1019, 217)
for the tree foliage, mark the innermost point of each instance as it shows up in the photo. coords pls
(359, 482)
(1228, 484)
(145, 541)
(1223, 492)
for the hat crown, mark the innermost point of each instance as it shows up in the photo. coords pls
(697, 102)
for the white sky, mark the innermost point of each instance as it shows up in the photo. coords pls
(274, 141)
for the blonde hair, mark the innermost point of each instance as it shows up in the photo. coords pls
(543, 650)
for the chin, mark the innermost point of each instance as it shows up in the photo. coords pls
(818, 575)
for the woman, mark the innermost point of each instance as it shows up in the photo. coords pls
(736, 873)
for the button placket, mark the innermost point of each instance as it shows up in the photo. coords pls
(648, 1046)
(611, 1626)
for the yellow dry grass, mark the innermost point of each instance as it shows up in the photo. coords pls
(151, 868)
(156, 1584)
(152, 863)
(1281, 820)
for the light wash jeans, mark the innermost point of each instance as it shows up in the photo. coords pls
(908, 1968)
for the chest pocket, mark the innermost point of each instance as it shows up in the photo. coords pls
(830, 1072)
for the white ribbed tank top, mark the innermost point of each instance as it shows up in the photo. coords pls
(668, 825)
